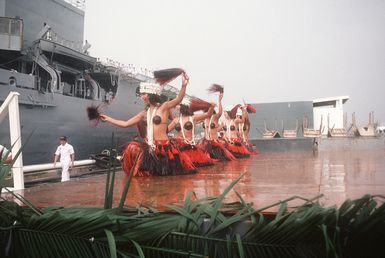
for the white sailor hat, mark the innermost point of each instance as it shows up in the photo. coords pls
(150, 88)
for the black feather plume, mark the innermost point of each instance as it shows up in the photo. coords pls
(166, 75)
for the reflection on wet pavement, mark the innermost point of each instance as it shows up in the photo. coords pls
(269, 177)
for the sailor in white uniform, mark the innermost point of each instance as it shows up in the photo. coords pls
(67, 157)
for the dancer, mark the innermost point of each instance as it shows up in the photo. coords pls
(244, 128)
(157, 155)
(184, 125)
(233, 119)
(211, 143)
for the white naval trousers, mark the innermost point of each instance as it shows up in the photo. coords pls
(65, 174)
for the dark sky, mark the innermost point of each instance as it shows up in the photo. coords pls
(261, 51)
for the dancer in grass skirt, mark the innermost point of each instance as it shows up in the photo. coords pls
(184, 126)
(157, 155)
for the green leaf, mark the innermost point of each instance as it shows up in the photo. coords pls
(281, 211)
(111, 243)
(126, 187)
(240, 246)
(183, 212)
(218, 201)
(138, 249)
(107, 192)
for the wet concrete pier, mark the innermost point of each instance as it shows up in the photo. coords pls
(269, 177)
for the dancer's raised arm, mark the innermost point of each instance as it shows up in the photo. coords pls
(220, 109)
(121, 123)
(174, 102)
(198, 118)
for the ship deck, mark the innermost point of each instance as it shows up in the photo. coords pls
(269, 177)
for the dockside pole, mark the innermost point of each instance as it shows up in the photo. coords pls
(11, 106)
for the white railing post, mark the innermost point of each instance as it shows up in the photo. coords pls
(11, 106)
(15, 132)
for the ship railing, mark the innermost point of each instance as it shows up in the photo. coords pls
(11, 107)
(129, 69)
(50, 166)
(75, 45)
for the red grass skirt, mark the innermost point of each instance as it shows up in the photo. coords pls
(238, 149)
(216, 150)
(198, 156)
(165, 160)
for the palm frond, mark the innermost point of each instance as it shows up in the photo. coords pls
(126, 186)
(111, 243)
(111, 169)
(34, 243)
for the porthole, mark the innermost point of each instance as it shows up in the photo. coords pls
(12, 81)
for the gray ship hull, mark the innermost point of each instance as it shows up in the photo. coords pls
(66, 115)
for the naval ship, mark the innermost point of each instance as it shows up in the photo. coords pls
(44, 59)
